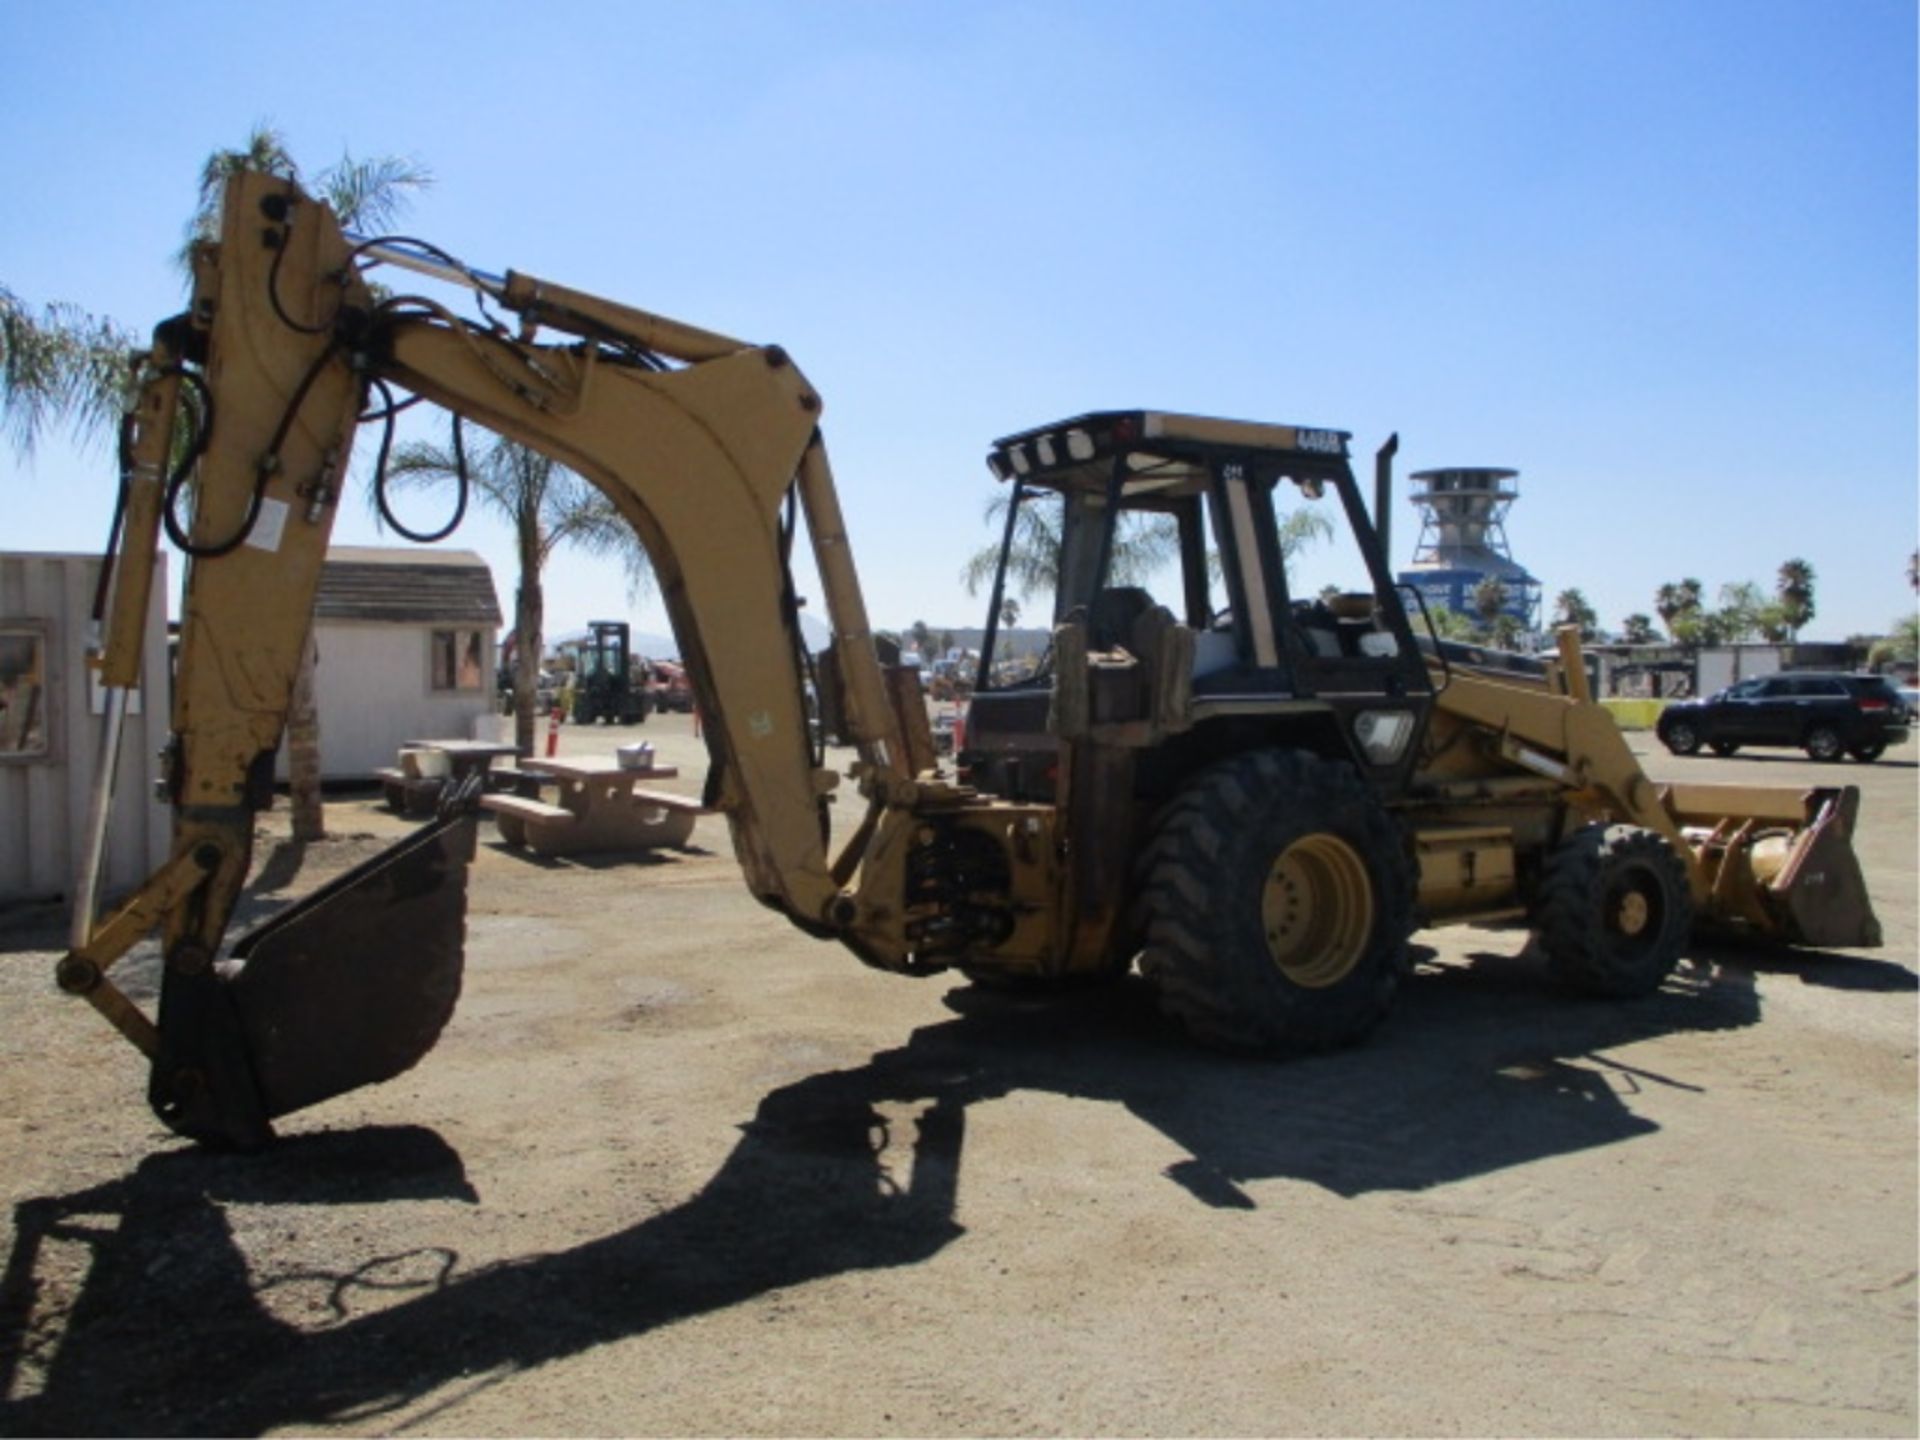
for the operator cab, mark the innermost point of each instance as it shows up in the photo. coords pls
(1207, 512)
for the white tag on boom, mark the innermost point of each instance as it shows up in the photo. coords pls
(268, 526)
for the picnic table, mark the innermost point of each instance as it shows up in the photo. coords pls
(427, 767)
(602, 805)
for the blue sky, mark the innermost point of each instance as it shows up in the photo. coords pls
(1659, 257)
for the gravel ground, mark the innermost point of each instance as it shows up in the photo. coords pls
(676, 1168)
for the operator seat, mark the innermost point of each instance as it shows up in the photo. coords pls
(1114, 612)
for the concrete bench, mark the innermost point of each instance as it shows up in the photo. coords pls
(427, 767)
(520, 820)
(405, 794)
(594, 817)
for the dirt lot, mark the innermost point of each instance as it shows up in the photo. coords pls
(676, 1168)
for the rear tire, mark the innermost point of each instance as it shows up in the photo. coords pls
(1823, 743)
(1867, 754)
(1613, 911)
(1276, 899)
(1681, 738)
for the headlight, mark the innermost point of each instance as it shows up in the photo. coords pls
(1383, 734)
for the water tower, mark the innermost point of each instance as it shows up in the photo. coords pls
(1463, 541)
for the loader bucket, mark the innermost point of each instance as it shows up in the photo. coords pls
(1780, 863)
(349, 987)
(1819, 894)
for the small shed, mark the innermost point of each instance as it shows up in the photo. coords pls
(51, 721)
(406, 640)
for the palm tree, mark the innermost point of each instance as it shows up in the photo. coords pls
(365, 194)
(548, 506)
(1678, 606)
(1901, 646)
(1489, 600)
(1452, 625)
(1497, 624)
(1571, 608)
(1793, 591)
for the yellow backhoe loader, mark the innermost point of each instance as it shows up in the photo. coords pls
(1256, 796)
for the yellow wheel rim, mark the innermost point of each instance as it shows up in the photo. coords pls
(1317, 910)
(1632, 913)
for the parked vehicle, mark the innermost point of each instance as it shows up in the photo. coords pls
(605, 686)
(667, 686)
(1825, 714)
(546, 691)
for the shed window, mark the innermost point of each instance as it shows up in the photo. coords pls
(455, 660)
(23, 692)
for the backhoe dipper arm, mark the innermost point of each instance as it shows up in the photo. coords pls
(699, 461)
(700, 458)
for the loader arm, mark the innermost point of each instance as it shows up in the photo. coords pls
(1760, 861)
(697, 439)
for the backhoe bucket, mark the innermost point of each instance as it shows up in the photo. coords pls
(1781, 863)
(349, 987)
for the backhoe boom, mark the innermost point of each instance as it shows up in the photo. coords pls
(700, 457)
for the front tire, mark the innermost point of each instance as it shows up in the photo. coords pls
(1723, 748)
(1613, 910)
(1276, 899)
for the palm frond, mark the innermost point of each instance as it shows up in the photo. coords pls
(30, 374)
(1301, 528)
(586, 520)
(61, 365)
(422, 464)
(547, 505)
(1141, 545)
(363, 193)
(372, 194)
(265, 149)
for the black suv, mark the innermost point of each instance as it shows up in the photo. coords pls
(1824, 714)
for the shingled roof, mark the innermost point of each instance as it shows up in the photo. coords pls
(407, 586)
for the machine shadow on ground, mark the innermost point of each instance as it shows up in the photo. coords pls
(172, 1332)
